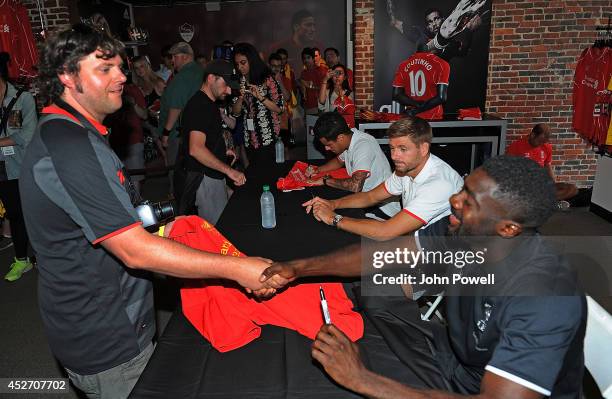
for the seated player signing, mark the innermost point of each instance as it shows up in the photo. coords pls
(360, 153)
(524, 341)
(424, 181)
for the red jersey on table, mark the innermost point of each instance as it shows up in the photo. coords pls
(590, 80)
(296, 178)
(541, 154)
(420, 75)
(229, 319)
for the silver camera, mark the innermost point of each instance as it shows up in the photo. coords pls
(155, 214)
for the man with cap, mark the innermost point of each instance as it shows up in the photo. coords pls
(201, 179)
(183, 85)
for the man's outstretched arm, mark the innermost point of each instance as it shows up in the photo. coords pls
(354, 183)
(138, 249)
(344, 262)
(399, 224)
(357, 200)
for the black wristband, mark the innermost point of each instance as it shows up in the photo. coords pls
(165, 132)
(325, 178)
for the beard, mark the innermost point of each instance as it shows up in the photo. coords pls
(403, 169)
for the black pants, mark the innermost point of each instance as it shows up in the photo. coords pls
(262, 155)
(422, 347)
(186, 185)
(9, 194)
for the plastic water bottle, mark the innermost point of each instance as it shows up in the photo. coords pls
(279, 148)
(268, 211)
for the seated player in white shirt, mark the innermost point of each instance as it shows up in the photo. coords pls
(360, 153)
(424, 181)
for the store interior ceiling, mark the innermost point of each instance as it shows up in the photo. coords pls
(171, 3)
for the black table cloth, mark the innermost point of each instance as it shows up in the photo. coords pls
(278, 364)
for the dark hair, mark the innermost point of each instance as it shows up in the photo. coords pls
(258, 70)
(330, 125)
(165, 51)
(416, 128)
(524, 188)
(298, 17)
(345, 84)
(275, 57)
(540, 129)
(308, 51)
(4, 60)
(282, 51)
(432, 9)
(335, 50)
(63, 51)
(315, 49)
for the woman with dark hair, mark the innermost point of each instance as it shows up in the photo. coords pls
(335, 94)
(260, 103)
(18, 122)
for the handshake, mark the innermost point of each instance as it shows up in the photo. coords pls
(263, 278)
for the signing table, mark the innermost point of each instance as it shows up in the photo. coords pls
(278, 364)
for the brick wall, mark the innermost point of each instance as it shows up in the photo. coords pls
(533, 52)
(363, 21)
(56, 14)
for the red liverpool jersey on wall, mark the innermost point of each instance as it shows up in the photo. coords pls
(589, 95)
(16, 39)
(419, 75)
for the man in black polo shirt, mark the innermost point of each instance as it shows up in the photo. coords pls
(521, 337)
(201, 183)
(95, 292)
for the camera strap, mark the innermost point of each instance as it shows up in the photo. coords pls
(82, 120)
(6, 111)
(130, 188)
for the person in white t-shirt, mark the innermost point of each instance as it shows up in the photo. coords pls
(424, 181)
(359, 153)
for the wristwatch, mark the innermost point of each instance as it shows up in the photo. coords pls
(337, 220)
(325, 178)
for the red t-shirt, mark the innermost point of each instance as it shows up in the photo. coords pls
(521, 148)
(346, 107)
(316, 76)
(419, 75)
(349, 76)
